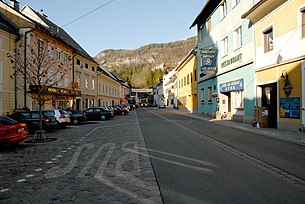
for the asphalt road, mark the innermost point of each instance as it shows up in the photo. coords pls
(197, 161)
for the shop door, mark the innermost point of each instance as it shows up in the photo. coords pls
(269, 100)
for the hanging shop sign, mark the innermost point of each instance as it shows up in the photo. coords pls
(237, 58)
(290, 107)
(236, 85)
(209, 59)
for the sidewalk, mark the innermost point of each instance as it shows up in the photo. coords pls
(295, 137)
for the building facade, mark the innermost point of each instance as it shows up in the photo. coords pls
(170, 89)
(187, 82)
(280, 65)
(225, 60)
(108, 88)
(8, 35)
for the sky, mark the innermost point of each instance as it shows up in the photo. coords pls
(121, 24)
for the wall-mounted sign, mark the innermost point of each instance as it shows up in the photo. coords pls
(209, 59)
(290, 107)
(232, 86)
(237, 58)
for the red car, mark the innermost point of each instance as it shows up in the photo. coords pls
(11, 131)
(118, 110)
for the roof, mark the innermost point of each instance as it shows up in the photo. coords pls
(186, 58)
(7, 25)
(107, 72)
(60, 33)
(206, 11)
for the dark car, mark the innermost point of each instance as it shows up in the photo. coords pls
(98, 113)
(32, 119)
(11, 131)
(76, 116)
(118, 110)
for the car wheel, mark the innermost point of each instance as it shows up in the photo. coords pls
(75, 121)
(123, 113)
(103, 117)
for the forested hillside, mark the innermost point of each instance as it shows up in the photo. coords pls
(144, 66)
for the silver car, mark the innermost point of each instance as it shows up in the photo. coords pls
(62, 117)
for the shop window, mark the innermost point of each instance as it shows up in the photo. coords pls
(210, 94)
(202, 95)
(238, 99)
(268, 40)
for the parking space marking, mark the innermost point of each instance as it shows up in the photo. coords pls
(29, 176)
(38, 169)
(4, 190)
(21, 180)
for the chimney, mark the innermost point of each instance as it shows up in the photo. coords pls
(42, 13)
(15, 4)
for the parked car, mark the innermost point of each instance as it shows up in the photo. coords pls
(12, 132)
(118, 110)
(32, 119)
(76, 116)
(98, 113)
(62, 117)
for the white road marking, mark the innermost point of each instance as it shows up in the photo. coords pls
(4, 190)
(21, 180)
(29, 176)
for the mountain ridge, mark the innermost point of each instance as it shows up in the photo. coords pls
(134, 65)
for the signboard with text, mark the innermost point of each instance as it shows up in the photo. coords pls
(290, 107)
(209, 60)
(236, 85)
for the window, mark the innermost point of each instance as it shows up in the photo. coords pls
(86, 82)
(66, 81)
(59, 55)
(40, 46)
(303, 23)
(86, 65)
(235, 2)
(224, 46)
(237, 38)
(81, 64)
(195, 75)
(66, 58)
(51, 51)
(51, 77)
(0, 43)
(239, 101)
(202, 95)
(223, 9)
(78, 62)
(208, 26)
(103, 88)
(184, 81)
(179, 84)
(93, 69)
(268, 40)
(188, 79)
(59, 79)
(201, 33)
(191, 75)
(93, 84)
(210, 94)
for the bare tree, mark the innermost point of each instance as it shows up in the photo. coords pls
(37, 64)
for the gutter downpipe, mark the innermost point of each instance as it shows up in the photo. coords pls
(73, 78)
(25, 66)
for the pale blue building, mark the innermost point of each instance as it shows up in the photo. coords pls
(226, 85)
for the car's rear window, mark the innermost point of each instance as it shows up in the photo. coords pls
(49, 113)
(7, 121)
(63, 112)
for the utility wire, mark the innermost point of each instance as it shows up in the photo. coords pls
(86, 14)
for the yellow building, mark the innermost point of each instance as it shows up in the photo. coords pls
(187, 83)
(8, 35)
(108, 88)
(280, 61)
(85, 76)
